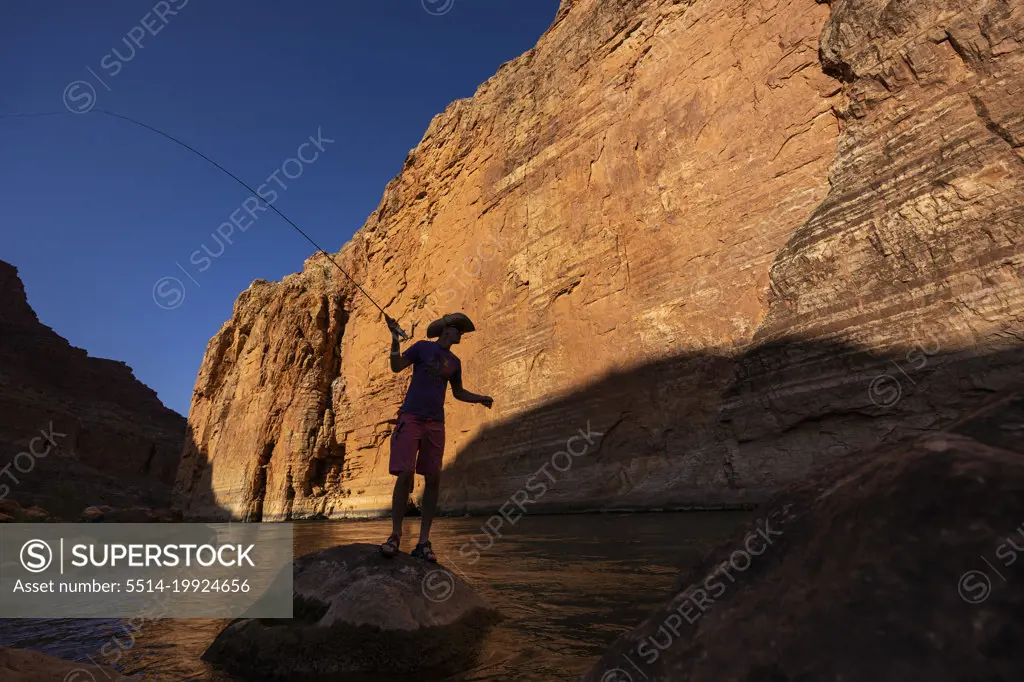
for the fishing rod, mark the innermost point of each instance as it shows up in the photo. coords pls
(392, 323)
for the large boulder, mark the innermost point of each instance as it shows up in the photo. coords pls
(356, 612)
(19, 665)
(893, 565)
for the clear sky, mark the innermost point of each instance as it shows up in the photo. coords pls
(96, 212)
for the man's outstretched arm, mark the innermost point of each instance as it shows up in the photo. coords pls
(461, 394)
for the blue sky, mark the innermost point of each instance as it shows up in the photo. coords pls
(97, 211)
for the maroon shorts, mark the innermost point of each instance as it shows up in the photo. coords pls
(416, 434)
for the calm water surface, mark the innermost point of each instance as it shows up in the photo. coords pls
(567, 586)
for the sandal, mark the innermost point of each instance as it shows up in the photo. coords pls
(423, 551)
(390, 546)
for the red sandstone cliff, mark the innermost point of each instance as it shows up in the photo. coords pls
(109, 437)
(734, 238)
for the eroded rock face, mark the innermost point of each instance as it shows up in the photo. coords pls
(357, 612)
(91, 417)
(702, 230)
(19, 665)
(887, 565)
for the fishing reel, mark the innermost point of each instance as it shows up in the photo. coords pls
(395, 327)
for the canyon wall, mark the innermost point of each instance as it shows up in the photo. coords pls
(101, 430)
(725, 240)
(878, 538)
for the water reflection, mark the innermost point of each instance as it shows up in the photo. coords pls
(567, 585)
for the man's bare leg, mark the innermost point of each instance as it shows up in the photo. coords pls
(432, 484)
(400, 500)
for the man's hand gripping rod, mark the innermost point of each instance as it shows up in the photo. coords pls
(395, 327)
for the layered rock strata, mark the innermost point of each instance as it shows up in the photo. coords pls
(733, 239)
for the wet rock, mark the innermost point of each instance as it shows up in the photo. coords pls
(33, 514)
(19, 665)
(91, 514)
(901, 563)
(165, 515)
(357, 612)
(108, 514)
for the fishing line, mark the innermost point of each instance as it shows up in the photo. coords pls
(230, 175)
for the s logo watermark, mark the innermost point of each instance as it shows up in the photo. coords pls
(438, 585)
(36, 556)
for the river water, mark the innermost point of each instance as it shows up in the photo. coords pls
(567, 586)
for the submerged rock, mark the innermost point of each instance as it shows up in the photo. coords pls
(899, 564)
(356, 612)
(19, 665)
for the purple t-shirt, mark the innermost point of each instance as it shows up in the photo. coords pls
(432, 368)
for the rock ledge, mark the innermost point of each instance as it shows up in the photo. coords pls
(359, 613)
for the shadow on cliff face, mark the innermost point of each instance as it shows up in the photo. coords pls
(710, 430)
(699, 430)
(899, 558)
(193, 493)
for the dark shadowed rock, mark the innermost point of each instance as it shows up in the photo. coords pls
(357, 613)
(905, 563)
(91, 431)
(110, 514)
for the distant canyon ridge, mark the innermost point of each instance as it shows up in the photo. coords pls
(735, 239)
(76, 430)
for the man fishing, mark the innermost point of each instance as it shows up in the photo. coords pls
(417, 443)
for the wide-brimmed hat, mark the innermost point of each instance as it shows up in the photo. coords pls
(458, 320)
